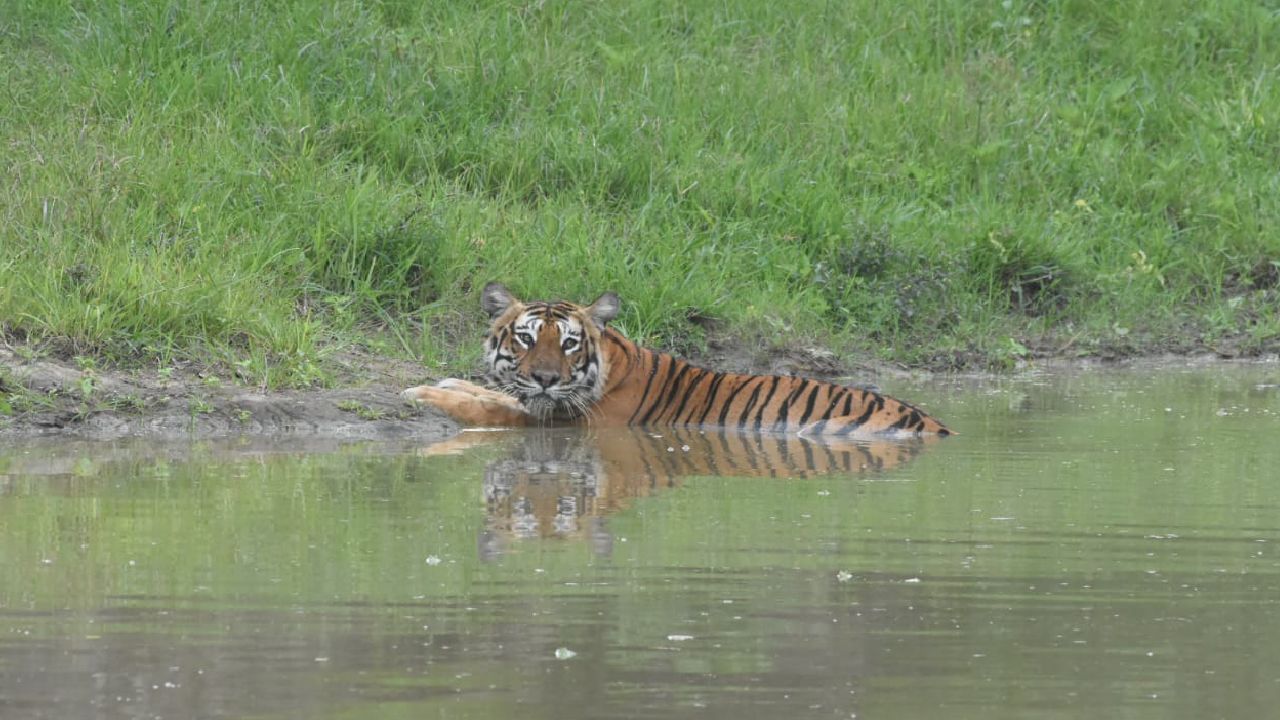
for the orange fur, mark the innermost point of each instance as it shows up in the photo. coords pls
(558, 362)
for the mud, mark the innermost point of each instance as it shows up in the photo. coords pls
(51, 397)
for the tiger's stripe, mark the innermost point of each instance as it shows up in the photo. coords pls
(660, 389)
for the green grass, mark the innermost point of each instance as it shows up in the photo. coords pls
(934, 182)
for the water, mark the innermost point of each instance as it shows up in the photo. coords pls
(1093, 544)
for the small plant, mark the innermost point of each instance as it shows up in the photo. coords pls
(126, 403)
(364, 412)
(22, 401)
(199, 406)
(243, 416)
(86, 385)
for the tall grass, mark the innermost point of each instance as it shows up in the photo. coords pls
(924, 179)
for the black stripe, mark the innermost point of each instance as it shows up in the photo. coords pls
(669, 392)
(848, 403)
(728, 402)
(688, 393)
(653, 372)
(902, 421)
(751, 403)
(711, 396)
(786, 404)
(808, 406)
(831, 405)
(680, 389)
(876, 403)
(765, 405)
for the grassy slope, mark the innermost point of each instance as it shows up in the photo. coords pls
(924, 180)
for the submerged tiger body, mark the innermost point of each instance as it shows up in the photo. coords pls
(559, 362)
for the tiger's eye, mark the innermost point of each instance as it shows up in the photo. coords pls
(569, 344)
(524, 339)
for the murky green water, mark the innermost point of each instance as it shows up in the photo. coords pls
(1092, 545)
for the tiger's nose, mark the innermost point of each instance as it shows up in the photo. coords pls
(545, 378)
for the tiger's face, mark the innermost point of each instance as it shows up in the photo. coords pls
(546, 355)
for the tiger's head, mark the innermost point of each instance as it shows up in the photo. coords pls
(547, 354)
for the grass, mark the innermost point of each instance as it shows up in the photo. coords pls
(940, 182)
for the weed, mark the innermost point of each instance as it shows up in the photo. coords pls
(86, 384)
(1022, 274)
(125, 403)
(364, 412)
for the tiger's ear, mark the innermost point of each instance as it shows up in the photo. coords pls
(604, 309)
(496, 298)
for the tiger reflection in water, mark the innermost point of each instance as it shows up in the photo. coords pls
(564, 482)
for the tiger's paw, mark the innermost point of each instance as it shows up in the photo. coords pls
(469, 403)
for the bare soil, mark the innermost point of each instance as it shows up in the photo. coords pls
(49, 396)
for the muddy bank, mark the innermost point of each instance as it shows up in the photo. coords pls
(52, 397)
(56, 398)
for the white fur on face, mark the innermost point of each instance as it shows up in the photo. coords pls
(584, 384)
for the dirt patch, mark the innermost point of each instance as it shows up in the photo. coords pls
(42, 396)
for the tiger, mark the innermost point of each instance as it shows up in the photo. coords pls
(560, 363)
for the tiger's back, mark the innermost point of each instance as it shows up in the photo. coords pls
(559, 362)
(660, 389)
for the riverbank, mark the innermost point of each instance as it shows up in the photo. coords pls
(60, 397)
(44, 395)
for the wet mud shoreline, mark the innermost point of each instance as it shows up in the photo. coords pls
(52, 398)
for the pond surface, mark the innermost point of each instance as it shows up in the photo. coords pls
(1093, 544)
